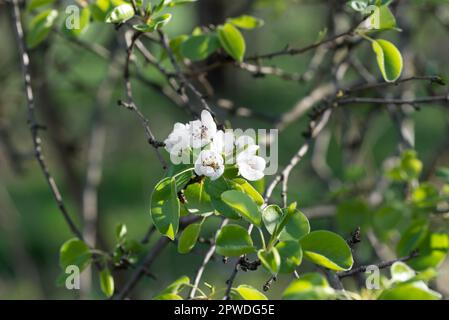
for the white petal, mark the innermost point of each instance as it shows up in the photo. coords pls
(244, 141)
(209, 123)
(249, 173)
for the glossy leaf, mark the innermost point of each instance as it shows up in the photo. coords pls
(328, 250)
(270, 259)
(432, 251)
(165, 208)
(188, 238)
(247, 292)
(200, 47)
(244, 205)
(173, 289)
(291, 255)
(296, 228)
(310, 286)
(232, 41)
(107, 282)
(246, 22)
(271, 216)
(233, 241)
(246, 187)
(389, 59)
(74, 252)
(120, 14)
(40, 27)
(410, 291)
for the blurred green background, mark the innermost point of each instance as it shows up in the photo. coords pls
(66, 79)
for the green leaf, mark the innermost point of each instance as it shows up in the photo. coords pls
(74, 252)
(246, 187)
(246, 22)
(173, 289)
(165, 208)
(271, 216)
(327, 249)
(74, 30)
(291, 255)
(389, 59)
(40, 27)
(198, 201)
(244, 205)
(352, 214)
(200, 47)
(270, 259)
(234, 241)
(34, 4)
(120, 14)
(383, 18)
(100, 9)
(168, 296)
(180, 2)
(160, 21)
(120, 232)
(232, 41)
(107, 282)
(247, 292)
(215, 189)
(188, 238)
(310, 286)
(296, 227)
(400, 272)
(412, 237)
(432, 251)
(410, 291)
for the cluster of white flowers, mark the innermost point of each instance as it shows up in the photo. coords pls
(216, 146)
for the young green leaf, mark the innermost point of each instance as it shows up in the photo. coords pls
(246, 187)
(412, 237)
(165, 208)
(410, 291)
(271, 216)
(296, 227)
(200, 47)
(233, 241)
(74, 252)
(188, 238)
(232, 41)
(215, 189)
(107, 282)
(244, 205)
(389, 59)
(247, 292)
(172, 291)
(198, 201)
(40, 27)
(382, 18)
(432, 252)
(327, 249)
(120, 14)
(120, 232)
(310, 286)
(246, 22)
(291, 255)
(400, 272)
(270, 259)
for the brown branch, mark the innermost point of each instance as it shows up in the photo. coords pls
(380, 265)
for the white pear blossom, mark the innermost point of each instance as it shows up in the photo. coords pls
(244, 141)
(178, 140)
(250, 165)
(210, 164)
(223, 143)
(202, 131)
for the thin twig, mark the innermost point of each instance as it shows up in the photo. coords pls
(32, 120)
